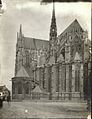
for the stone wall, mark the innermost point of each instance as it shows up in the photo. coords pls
(57, 82)
(21, 88)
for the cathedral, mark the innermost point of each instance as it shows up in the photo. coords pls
(57, 69)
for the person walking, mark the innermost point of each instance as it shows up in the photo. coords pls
(1, 99)
(1, 103)
(8, 97)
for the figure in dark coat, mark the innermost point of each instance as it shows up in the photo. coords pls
(8, 97)
(1, 103)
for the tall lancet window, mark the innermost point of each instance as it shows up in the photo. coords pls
(27, 88)
(27, 58)
(77, 80)
(19, 88)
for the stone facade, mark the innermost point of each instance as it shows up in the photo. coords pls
(59, 68)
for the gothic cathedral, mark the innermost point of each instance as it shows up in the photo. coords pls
(57, 69)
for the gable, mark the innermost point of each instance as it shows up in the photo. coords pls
(60, 58)
(29, 71)
(37, 89)
(73, 28)
(77, 57)
(22, 73)
(73, 32)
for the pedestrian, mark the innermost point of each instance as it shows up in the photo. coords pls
(1, 99)
(8, 97)
(1, 103)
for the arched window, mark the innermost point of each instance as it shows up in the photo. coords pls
(19, 88)
(27, 88)
(77, 80)
(57, 81)
(49, 78)
(27, 58)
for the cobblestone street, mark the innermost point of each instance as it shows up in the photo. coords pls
(27, 109)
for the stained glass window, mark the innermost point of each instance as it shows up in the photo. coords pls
(19, 88)
(77, 79)
(27, 88)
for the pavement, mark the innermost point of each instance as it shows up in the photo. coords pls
(28, 109)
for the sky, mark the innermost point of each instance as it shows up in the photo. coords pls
(35, 19)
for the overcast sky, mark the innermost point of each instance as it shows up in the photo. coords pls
(35, 19)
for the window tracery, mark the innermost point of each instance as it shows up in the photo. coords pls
(77, 80)
(19, 88)
(27, 88)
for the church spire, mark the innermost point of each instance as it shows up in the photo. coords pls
(53, 30)
(53, 27)
(20, 31)
(20, 28)
(53, 10)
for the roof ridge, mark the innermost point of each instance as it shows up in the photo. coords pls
(37, 39)
(75, 21)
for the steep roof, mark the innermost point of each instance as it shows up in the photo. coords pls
(64, 36)
(32, 43)
(22, 73)
(74, 25)
(29, 71)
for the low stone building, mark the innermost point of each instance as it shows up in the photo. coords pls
(22, 85)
